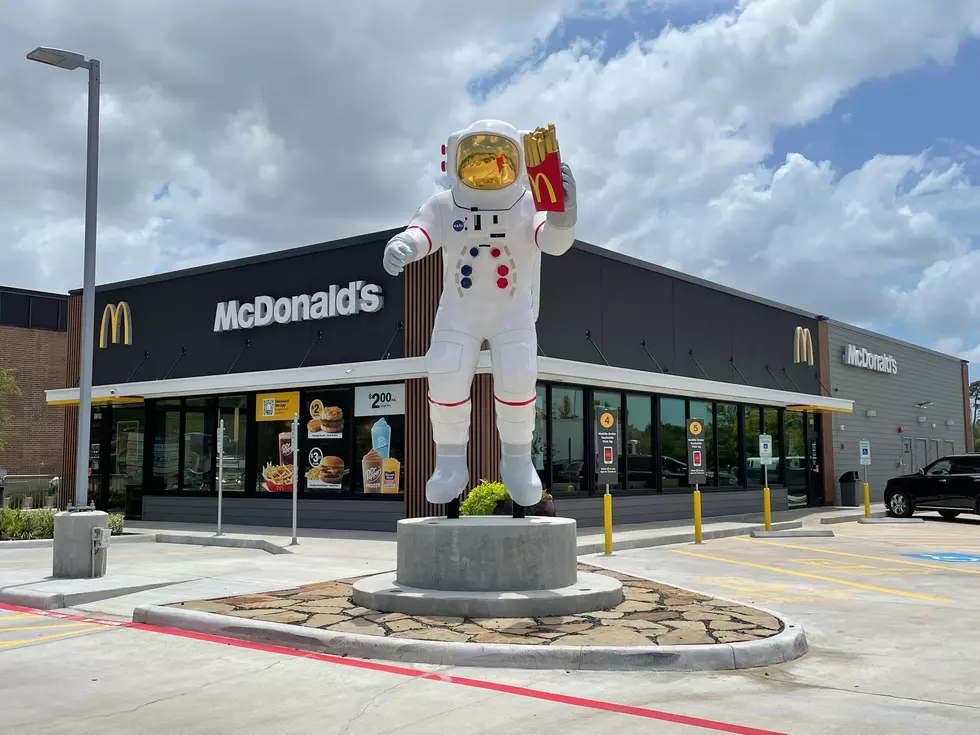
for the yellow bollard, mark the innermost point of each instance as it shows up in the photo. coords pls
(767, 508)
(867, 501)
(607, 520)
(697, 516)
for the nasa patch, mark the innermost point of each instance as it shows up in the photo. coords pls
(458, 225)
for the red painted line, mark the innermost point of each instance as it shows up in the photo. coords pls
(515, 403)
(517, 691)
(536, 230)
(448, 405)
(422, 229)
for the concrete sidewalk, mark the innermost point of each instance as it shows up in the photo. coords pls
(316, 541)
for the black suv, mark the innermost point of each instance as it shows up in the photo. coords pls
(950, 485)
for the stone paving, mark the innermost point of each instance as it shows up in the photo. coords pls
(651, 614)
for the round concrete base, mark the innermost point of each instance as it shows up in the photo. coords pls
(487, 553)
(590, 592)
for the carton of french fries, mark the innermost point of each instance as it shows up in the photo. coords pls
(544, 169)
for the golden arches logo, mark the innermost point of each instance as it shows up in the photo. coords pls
(802, 346)
(114, 317)
(536, 186)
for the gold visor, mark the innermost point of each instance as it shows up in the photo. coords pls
(487, 161)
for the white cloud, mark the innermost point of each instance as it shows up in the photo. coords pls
(275, 126)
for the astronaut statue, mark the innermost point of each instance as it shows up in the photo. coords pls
(491, 236)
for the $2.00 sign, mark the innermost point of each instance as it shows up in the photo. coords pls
(379, 400)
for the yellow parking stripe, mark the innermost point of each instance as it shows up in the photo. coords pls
(22, 641)
(18, 616)
(832, 580)
(13, 628)
(927, 565)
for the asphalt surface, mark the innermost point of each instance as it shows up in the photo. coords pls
(893, 640)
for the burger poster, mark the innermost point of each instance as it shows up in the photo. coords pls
(324, 422)
(326, 471)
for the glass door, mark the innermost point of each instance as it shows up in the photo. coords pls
(98, 471)
(126, 461)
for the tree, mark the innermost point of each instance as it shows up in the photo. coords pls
(8, 387)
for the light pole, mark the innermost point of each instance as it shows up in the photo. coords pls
(70, 60)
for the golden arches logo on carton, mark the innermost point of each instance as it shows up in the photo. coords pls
(536, 186)
(803, 346)
(116, 317)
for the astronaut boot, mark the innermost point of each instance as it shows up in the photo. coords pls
(449, 478)
(519, 476)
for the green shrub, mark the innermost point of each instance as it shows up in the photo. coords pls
(116, 523)
(22, 525)
(483, 499)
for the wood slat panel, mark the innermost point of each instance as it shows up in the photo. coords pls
(73, 377)
(422, 290)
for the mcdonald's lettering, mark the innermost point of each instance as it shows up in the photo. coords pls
(803, 346)
(536, 185)
(115, 317)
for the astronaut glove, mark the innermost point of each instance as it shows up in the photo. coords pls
(398, 253)
(566, 219)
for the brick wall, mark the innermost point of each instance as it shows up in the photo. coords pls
(35, 438)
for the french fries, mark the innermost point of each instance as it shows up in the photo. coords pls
(539, 144)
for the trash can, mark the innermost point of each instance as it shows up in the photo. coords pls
(848, 489)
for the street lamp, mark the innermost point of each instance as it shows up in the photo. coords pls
(70, 60)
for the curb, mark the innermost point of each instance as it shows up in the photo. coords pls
(798, 533)
(680, 538)
(891, 520)
(41, 543)
(59, 600)
(228, 541)
(786, 645)
(851, 518)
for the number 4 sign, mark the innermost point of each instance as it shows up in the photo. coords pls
(379, 400)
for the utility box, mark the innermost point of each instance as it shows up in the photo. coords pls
(81, 544)
(848, 489)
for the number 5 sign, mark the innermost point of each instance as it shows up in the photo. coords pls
(379, 400)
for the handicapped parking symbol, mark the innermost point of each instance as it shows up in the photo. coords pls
(947, 557)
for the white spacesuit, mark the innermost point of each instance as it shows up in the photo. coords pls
(491, 237)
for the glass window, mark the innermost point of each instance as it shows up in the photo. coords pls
(673, 443)
(704, 410)
(126, 461)
(965, 466)
(612, 402)
(941, 467)
(539, 442)
(753, 428)
(274, 443)
(166, 445)
(639, 443)
(771, 421)
(233, 411)
(568, 439)
(796, 468)
(326, 423)
(380, 442)
(729, 456)
(198, 444)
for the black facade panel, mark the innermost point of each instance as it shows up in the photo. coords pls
(177, 314)
(637, 306)
(763, 335)
(571, 304)
(702, 332)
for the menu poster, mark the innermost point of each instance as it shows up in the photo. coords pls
(325, 472)
(324, 422)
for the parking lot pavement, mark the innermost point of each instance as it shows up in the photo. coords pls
(889, 611)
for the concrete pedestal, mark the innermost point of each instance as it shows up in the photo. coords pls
(487, 553)
(488, 566)
(73, 547)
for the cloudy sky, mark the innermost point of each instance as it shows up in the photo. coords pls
(817, 152)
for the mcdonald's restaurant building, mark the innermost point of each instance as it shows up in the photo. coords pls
(323, 333)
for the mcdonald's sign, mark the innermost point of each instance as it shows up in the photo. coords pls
(115, 317)
(536, 186)
(802, 346)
